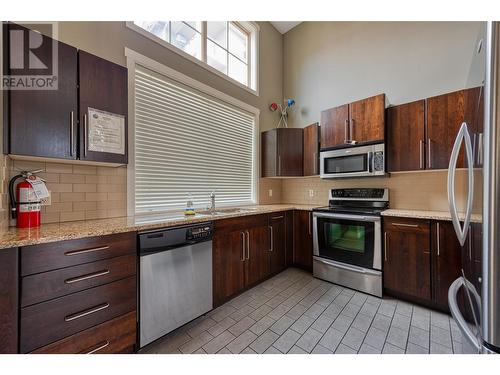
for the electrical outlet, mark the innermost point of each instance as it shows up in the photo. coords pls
(311, 193)
(270, 192)
(47, 201)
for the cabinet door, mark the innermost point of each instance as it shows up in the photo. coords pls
(290, 143)
(405, 137)
(257, 259)
(228, 264)
(446, 261)
(277, 250)
(311, 150)
(103, 86)
(335, 126)
(407, 257)
(302, 239)
(269, 153)
(367, 119)
(445, 115)
(44, 122)
(9, 292)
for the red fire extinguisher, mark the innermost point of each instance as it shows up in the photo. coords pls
(25, 205)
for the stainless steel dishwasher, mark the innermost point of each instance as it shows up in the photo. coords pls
(175, 280)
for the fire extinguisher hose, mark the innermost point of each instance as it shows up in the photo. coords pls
(12, 196)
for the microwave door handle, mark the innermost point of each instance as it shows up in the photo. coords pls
(371, 167)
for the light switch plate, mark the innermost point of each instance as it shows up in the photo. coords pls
(270, 192)
(311, 193)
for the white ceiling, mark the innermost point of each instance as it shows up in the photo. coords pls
(284, 26)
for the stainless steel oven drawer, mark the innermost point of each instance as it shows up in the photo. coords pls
(364, 280)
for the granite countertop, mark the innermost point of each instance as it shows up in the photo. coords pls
(433, 215)
(14, 237)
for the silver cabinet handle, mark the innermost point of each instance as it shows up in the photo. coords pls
(421, 145)
(314, 163)
(385, 246)
(429, 152)
(242, 246)
(248, 245)
(272, 239)
(81, 314)
(84, 251)
(72, 132)
(463, 135)
(86, 277)
(85, 135)
(437, 238)
(351, 127)
(100, 346)
(405, 225)
(480, 149)
(277, 217)
(346, 131)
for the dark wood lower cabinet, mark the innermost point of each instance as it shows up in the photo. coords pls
(277, 249)
(446, 261)
(114, 336)
(302, 239)
(421, 260)
(256, 259)
(407, 256)
(9, 290)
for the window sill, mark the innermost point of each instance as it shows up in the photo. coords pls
(144, 33)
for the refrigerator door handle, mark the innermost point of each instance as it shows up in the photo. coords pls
(463, 134)
(467, 333)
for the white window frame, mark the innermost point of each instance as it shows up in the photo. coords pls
(253, 30)
(134, 58)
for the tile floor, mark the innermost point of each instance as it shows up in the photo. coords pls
(296, 313)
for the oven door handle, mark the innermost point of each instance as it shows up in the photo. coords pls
(348, 217)
(347, 267)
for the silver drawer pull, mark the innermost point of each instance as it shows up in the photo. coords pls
(81, 314)
(405, 225)
(84, 251)
(99, 347)
(86, 277)
(277, 217)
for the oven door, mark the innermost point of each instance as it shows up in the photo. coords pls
(351, 239)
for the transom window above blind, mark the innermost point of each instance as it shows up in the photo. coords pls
(189, 142)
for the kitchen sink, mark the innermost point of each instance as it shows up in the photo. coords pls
(222, 211)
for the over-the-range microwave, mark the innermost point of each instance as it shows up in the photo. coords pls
(358, 161)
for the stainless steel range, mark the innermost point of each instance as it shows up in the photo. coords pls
(347, 239)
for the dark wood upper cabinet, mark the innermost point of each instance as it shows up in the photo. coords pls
(311, 150)
(9, 291)
(302, 239)
(335, 126)
(367, 120)
(103, 86)
(43, 123)
(446, 261)
(407, 253)
(406, 137)
(282, 152)
(445, 115)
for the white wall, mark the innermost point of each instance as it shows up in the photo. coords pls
(332, 63)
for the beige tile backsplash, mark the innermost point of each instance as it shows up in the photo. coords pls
(425, 190)
(79, 192)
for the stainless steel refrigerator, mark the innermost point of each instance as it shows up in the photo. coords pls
(474, 298)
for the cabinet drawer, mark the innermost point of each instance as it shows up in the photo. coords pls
(51, 256)
(50, 321)
(241, 223)
(406, 224)
(49, 285)
(114, 336)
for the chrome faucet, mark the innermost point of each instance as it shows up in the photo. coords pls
(212, 202)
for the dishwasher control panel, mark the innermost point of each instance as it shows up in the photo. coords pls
(199, 233)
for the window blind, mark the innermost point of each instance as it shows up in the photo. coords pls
(189, 142)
